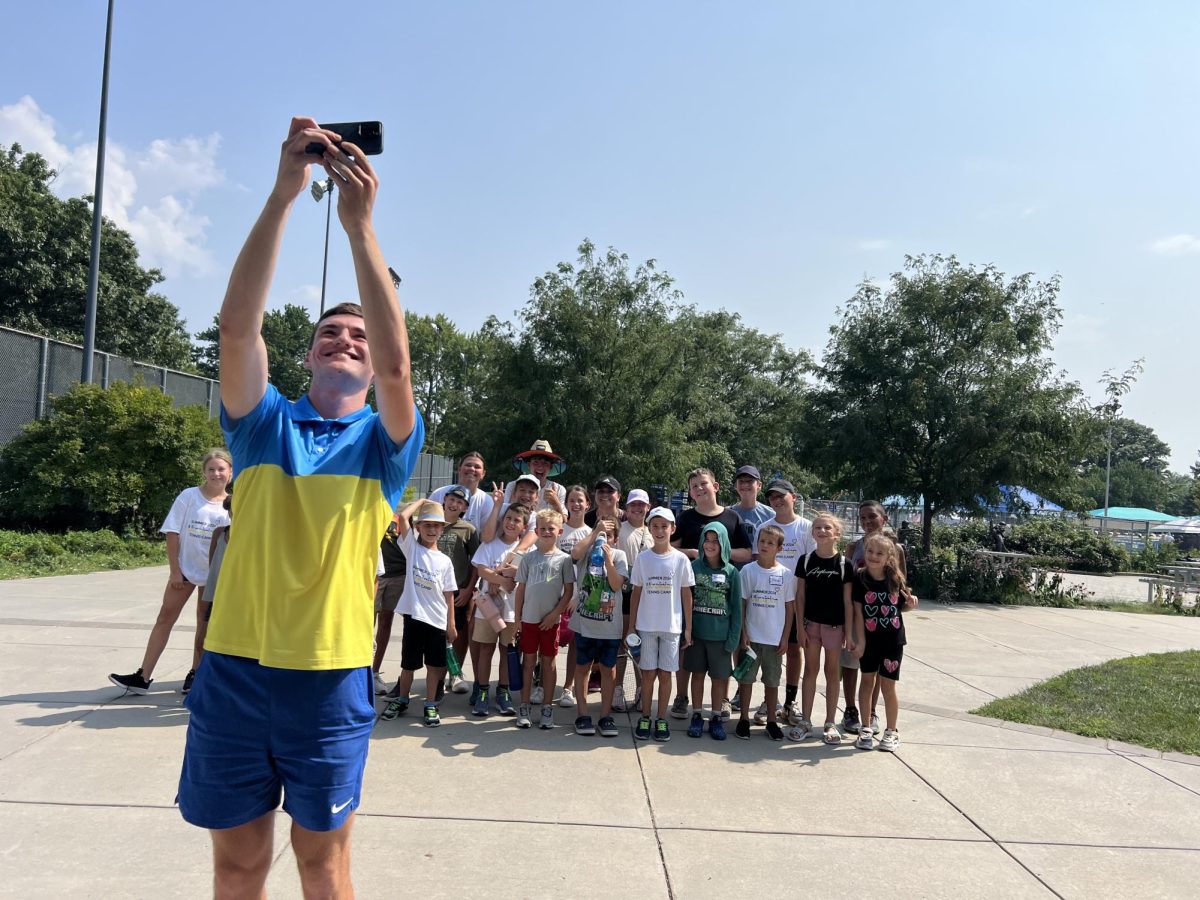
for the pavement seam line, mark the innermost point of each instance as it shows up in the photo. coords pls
(662, 856)
(1073, 637)
(951, 676)
(978, 827)
(1136, 760)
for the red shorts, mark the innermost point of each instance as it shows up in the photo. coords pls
(565, 634)
(535, 640)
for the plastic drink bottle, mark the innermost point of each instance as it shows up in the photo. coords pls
(745, 664)
(516, 676)
(452, 664)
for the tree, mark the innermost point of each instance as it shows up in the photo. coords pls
(104, 458)
(287, 333)
(1139, 475)
(45, 249)
(939, 387)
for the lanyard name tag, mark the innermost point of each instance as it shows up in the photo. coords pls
(776, 580)
(719, 578)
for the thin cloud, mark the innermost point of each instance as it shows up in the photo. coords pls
(147, 192)
(1176, 245)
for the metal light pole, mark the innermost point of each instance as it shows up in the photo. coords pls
(429, 409)
(89, 321)
(319, 190)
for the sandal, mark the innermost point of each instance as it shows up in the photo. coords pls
(832, 735)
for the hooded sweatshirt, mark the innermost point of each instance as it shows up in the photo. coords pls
(717, 596)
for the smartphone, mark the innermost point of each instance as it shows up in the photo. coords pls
(367, 136)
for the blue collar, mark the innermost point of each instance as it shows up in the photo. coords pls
(303, 411)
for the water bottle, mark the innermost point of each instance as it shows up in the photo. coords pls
(516, 676)
(745, 664)
(596, 562)
(634, 644)
(452, 664)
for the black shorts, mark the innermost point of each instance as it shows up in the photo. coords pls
(884, 658)
(460, 618)
(626, 601)
(422, 645)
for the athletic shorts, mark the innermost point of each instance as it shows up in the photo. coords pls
(626, 602)
(422, 645)
(660, 650)
(831, 637)
(535, 640)
(387, 593)
(602, 651)
(565, 635)
(769, 661)
(884, 659)
(256, 733)
(483, 633)
(460, 618)
(709, 657)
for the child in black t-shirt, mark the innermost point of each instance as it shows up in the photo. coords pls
(879, 594)
(823, 592)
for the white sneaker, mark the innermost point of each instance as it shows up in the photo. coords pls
(794, 716)
(567, 700)
(458, 685)
(380, 685)
(875, 724)
(726, 710)
(760, 714)
(866, 740)
(619, 703)
(536, 696)
(890, 740)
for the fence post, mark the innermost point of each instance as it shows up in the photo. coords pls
(105, 374)
(43, 376)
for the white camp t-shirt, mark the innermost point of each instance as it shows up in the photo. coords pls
(567, 541)
(766, 593)
(661, 576)
(479, 505)
(489, 556)
(429, 575)
(797, 541)
(194, 518)
(633, 541)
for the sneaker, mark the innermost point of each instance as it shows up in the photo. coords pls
(850, 720)
(774, 732)
(619, 704)
(735, 703)
(875, 724)
(866, 740)
(608, 727)
(547, 721)
(567, 700)
(760, 714)
(793, 714)
(679, 709)
(716, 728)
(662, 731)
(187, 681)
(381, 687)
(523, 717)
(134, 684)
(458, 685)
(395, 708)
(594, 683)
(743, 729)
(431, 718)
(475, 689)
(482, 706)
(696, 728)
(537, 695)
(799, 732)
(890, 740)
(642, 731)
(583, 725)
(504, 702)
(726, 710)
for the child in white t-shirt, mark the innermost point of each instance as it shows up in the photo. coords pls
(661, 608)
(427, 606)
(768, 595)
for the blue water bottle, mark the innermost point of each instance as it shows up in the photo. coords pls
(516, 676)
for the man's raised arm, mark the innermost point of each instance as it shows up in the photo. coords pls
(383, 319)
(243, 353)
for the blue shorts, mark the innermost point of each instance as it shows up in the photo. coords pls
(602, 651)
(257, 732)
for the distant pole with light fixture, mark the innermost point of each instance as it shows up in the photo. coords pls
(321, 189)
(93, 288)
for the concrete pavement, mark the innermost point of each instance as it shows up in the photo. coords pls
(968, 807)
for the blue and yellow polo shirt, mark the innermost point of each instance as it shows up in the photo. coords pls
(313, 498)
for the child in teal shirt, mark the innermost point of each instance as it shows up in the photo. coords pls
(716, 628)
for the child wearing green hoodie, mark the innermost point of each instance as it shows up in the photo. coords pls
(716, 627)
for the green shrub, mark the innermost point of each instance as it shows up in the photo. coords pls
(26, 554)
(110, 458)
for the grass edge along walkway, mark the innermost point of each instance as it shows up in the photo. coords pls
(34, 554)
(1152, 701)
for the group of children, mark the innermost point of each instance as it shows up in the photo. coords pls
(722, 593)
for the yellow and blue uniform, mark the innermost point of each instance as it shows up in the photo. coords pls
(283, 702)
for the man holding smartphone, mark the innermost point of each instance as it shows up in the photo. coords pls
(283, 703)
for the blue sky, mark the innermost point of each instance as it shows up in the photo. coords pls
(768, 155)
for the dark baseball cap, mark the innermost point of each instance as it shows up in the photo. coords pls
(747, 470)
(460, 492)
(607, 481)
(780, 486)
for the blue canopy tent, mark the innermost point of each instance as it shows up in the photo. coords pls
(1019, 500)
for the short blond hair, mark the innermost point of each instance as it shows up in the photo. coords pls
(549, 515)
(831, 519)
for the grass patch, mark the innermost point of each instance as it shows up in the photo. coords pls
(1152, 701)
(30, 554)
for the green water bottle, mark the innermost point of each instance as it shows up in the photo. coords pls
(452, 664)
(745, 664)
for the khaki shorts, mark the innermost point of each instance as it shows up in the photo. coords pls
(387, 593)
(483, 633)
(769, 661)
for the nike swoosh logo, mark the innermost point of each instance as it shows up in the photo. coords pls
(337, 809)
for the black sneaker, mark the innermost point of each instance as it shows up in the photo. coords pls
(696, 726)
(396, 707)
(774, 732)
(642, 731)
(583, 725)
(850, 722)
(662, 731)
(134, 684)
(608, 727)
(743, 729)
(187, 681)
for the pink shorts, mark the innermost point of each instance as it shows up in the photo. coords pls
(831, 636)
